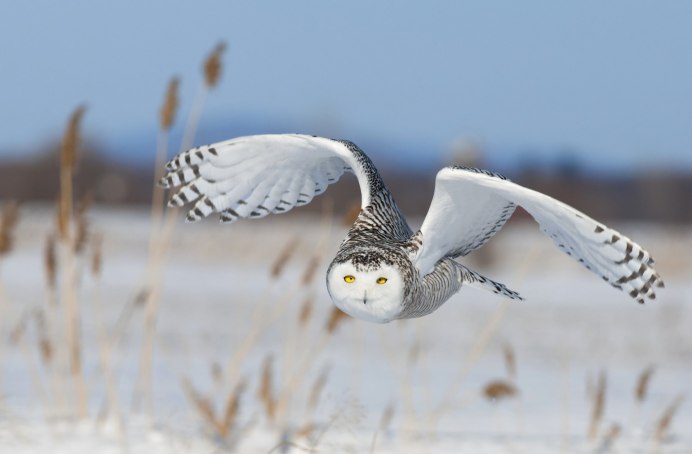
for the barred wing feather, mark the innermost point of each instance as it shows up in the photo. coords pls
(470, 205)
(253, 176)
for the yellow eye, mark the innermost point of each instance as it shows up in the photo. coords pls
(381, 280)
(349, 279)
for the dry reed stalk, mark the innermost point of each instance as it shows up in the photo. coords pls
(223, 425)
(305, 311)
(477, 349)
(164, 234)
(68, 164)
(666, 419)
(609, 438)
(18, 330)
(169, 109)
(317, 388)
(105, 342)
(598, 405)
(96, 262)
(157, 244)
(305, 431)
(50, 263)
(310, 270)
(8, 222)
(203, 405)
(510, 360)
(643, 384)
(414, 353)
(336, 317)
(351, 214)
(283, 258)
(18, 337)
(82, 224)
(81, 234)
(297, 374)
(482, 341)
(211, 69)
(385, 421)
(265, 392)
(232, 409)
(258, 325)
(47, 355)
(497, 390)
(216, 372)
(260, 321)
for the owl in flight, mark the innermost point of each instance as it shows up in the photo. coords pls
(383, 271)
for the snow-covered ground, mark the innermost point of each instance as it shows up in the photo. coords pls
(218, 292)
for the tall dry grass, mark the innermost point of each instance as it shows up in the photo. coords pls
(163, 229)
(291, 383)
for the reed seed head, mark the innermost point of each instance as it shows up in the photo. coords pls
(283, 258)
(71, 139)
(96, 255)
(170, 104)
(203, 406)
(598, 405)
(265, 392)
(643, 384)
(50, 261)
(305, 311)
(212, 65)
(335, 319)
(8, 222)
(18, 330)
(46, 349)
(497, 390)
(232, 409)
(310, 270)
(664, 422)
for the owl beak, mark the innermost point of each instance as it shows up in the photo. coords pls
(365, 297)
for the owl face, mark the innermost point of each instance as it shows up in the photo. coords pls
(373, 293)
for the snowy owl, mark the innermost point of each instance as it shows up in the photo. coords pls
(384, 271)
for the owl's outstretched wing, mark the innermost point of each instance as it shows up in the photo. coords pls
(253, 176)
(470, 205)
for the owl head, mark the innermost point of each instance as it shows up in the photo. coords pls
(367, 285)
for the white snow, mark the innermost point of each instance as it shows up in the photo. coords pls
(571, 327)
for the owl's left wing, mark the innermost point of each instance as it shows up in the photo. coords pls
(470, 205)
(253, 176)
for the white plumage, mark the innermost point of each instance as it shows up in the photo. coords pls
(251, 177)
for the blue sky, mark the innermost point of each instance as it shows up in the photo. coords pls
(609, 80)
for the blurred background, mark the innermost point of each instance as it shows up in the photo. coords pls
(589, 101)
(123, 330)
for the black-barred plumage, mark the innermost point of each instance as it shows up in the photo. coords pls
(383, 270)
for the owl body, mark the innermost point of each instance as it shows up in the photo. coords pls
(383, 271)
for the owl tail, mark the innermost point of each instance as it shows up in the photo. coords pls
(474, 279)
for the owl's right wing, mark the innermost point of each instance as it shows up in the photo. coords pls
(470, 205)
(253, 176)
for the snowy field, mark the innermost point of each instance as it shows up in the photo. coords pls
(415, 386)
